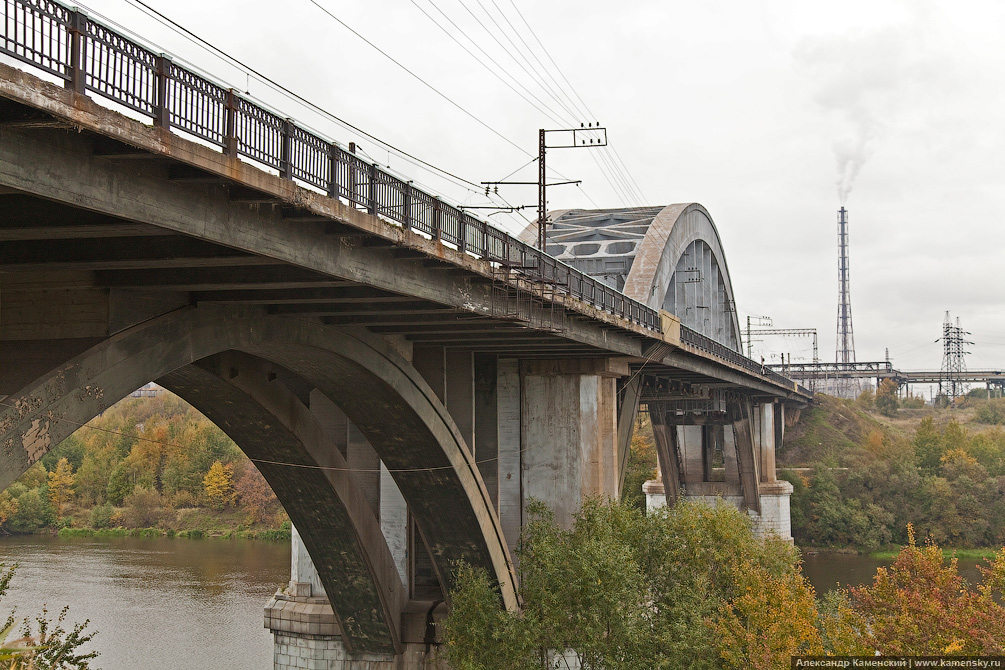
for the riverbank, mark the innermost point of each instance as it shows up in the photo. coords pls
(860, 478)
(273, 535)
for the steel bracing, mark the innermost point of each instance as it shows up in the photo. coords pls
(845, 353)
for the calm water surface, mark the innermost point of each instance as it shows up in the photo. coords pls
(156, 603)
(183, 604)
(827, 570)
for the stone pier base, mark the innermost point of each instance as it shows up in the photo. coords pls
(774, 516)
(306, 637)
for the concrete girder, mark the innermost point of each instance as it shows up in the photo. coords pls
(337, 526)
(432, 465)
(63, 167)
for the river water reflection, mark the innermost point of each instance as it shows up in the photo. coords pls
(183, 604)
(155, 602)
(826, 570)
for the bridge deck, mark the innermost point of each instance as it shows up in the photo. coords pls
(107, 221)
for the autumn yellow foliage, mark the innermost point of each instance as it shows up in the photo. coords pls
(219, 485)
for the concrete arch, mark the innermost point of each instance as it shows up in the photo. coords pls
(376, 387)
(340, 530)
(679, 261)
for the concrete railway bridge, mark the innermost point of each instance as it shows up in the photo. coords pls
(405, 377)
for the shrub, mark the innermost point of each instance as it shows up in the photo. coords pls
(991, 412)
(142, 508)
(101, 516)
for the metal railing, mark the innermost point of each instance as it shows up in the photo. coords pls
(90, 57)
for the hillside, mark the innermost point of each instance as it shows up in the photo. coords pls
(870, 475)
(146, 463)
(830, 431)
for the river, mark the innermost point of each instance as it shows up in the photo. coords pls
(181, 604)
(825, 570)
(155, 602)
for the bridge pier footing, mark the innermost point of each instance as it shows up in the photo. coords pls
(719, 464)
(306, 633)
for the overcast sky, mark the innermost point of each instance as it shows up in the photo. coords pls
(770, 114)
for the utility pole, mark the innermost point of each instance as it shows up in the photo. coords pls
(761, 321)
(587, 136)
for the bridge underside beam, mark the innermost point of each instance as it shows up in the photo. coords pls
(201, 222)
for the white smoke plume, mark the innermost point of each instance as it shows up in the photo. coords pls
(869, 80)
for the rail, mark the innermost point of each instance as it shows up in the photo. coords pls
(90, 57)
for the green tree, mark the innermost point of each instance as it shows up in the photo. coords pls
(886, 397)
(929, 445)
(33, 512)
(679, 588)
(120, 484)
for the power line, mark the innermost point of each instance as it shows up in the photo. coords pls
(572, 88)
(536, 104)
(420, 79)
(284, 90)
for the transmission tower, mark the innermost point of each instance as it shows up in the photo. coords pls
(953, 364)
(845, 353)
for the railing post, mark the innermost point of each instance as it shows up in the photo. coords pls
(371, 205)
(462, 230)
(285, 151)
(162, 113)
(78, 52)
(230, 126)
(406, 219)
(332, 170)
(437, 216)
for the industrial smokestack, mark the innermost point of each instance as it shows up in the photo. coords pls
(845, 349)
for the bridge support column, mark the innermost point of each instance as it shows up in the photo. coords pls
(569, 432)
(747, 476)
(775, 494)
(306, 635)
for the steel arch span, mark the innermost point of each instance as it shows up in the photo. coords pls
(226, 362)
(668, 258)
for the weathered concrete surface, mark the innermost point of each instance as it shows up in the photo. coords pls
(774, 517)
(366, 378)
(569, 433)
(341, 534)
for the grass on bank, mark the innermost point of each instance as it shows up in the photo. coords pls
(271, 534)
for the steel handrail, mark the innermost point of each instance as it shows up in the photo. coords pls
(91, 57)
